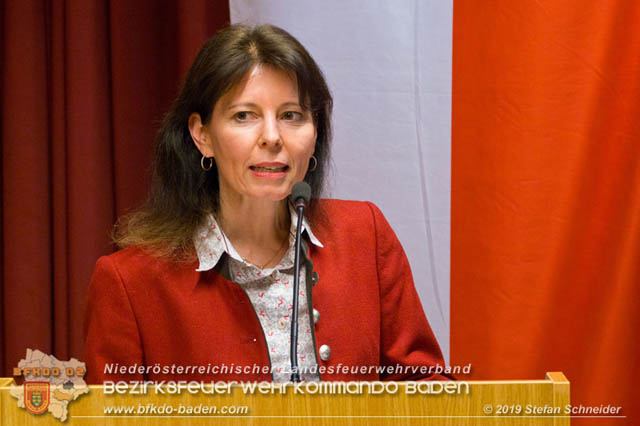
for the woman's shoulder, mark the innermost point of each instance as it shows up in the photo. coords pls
(337, 206)
(348, 215)
(140, 259)
(348, 208)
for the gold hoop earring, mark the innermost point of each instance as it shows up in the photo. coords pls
(206, 169)
(315, 163)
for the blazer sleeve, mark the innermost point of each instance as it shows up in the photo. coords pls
(405, 336)
(110, 328)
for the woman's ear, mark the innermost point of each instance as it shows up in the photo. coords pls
(200, 135)
(315, 140)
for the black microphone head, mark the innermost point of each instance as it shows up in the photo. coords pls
(301, 192)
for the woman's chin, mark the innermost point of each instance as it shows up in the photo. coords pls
(274, 196)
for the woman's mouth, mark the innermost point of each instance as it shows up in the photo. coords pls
(269, 170)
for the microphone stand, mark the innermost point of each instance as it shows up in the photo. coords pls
(295, 374)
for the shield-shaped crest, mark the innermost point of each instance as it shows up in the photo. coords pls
(36, 397)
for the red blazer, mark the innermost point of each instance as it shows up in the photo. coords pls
(147, 311)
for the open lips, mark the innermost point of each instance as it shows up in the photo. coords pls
(269, 167)
(269, 170)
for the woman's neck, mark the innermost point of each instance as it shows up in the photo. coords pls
(257, 228)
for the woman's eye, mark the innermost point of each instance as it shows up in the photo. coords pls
(291, 115)
(242, 116)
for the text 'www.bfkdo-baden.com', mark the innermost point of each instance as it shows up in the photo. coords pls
(152, 409)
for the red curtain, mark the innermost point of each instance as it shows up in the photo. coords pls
(545, 246)
(84, 86)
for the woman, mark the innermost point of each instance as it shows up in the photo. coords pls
(202, 287)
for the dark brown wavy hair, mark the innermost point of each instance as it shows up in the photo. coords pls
(182, 194)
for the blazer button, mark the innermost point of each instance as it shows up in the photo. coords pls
(314, 278)
(316, 316)
(325, 352)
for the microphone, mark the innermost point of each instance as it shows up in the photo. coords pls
(300, 195)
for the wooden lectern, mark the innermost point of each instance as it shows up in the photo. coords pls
(517, 402)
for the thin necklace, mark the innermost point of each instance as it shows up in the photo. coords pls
(286, 238)
(284, 241)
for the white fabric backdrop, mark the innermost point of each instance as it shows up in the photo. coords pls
(388, 65)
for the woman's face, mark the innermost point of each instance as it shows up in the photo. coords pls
(260, 136)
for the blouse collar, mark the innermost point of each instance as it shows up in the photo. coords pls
(211, 243)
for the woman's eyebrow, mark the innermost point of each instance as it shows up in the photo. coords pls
(252, 105)
(287, 104)
(242, 104)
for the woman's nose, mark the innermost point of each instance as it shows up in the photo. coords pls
(270, 133)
